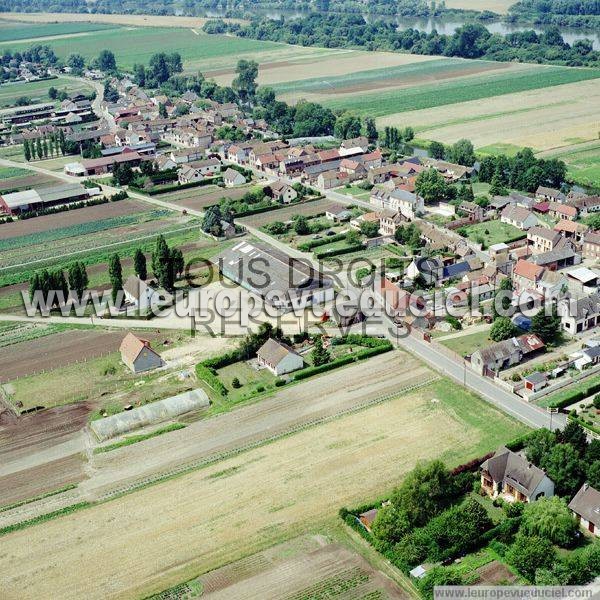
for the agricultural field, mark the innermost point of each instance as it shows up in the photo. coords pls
(37, 91)
(583, 162)
(306, 567)
(201, 197)
(493, 232)
(12, 172)
(247, 503)
(498, 6)
(308, 209)
(79, 237)
(10, 30)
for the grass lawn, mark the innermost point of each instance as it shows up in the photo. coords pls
(12, 153)
(250, 378)
(481, 189)
(500, 148)
(357, 192)
(580, 386)
(493, 232)
(467, 344)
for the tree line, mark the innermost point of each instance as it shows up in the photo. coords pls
(472, 40)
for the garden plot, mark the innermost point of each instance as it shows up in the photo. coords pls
(242, 505)
(307, 209)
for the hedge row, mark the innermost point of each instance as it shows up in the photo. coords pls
(182, 186)
(572, 396)
(343, 360)
(223, 360)
(210, 378)
(308, 246)
(271, 207)
(339, 251)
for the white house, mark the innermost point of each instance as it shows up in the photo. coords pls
(278, 358)
(231, 177)
(139, 294)
(519, 217)
(586, 508)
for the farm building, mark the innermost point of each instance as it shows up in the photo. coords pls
(138, 355)
(278, 357)
(99, 166)
(283, 282)
(502, 355)
(46, 197)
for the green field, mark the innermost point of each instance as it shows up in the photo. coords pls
(11, 30)
(493, 232)
(438, 68)
(136, 45)
(459, 90)
(9, 172)
(583, 163)
(37, 91)
(465, 345)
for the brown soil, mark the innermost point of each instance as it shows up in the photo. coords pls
(53, 351)
(72, 217)
(495, 573)
(26, 181)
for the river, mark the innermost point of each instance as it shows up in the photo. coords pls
(446, 26)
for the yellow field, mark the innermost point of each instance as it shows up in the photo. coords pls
(167, 533)
(136, 20)
(542, 119)
(498, 6)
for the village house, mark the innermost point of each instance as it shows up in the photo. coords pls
(571, 230)
(542, 239)
(518, 216)
(353, 168)
(510, 476)
(562, 211)
(278, 357)
(579, 314)
(586, 509)
(526, 275)
(389, 221)
(586, 205)
(138, 355)
(338, 213)
(188, 174)
(549, 195)
(331, 179)
(139, 294)
(504, 354)
(232, 178)
(591, 245)
(282, 192)
(429, 269)
(471, 210)
(354, 146)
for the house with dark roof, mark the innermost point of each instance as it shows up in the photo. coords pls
(138, 355)
(586, 508)
(512, 477)
(549, 195)
(504, 354)
(278, 357)
(579, 314)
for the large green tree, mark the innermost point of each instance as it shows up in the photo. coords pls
(549, 518)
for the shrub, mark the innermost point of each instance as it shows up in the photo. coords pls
(528, 554)
(235, 382)
(210, 378)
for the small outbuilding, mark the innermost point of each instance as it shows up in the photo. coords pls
(138, 355)
(535, 381)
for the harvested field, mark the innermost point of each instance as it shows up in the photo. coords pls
(307, 567)
(245, 504)
(59, 350)
(72, 217)
(534, 118)
(39, 452)
(498, 6)
(307, 209)
(137, 20)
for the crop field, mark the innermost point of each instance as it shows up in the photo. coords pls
(9, 30)
(303, 568)
(86, 236)
(37, 91)
(12, 172)
(243, 505)
(543, 119)
(201, 197)
(308, 209)
(458, 91)
(583, 162)
(405, 75)
(137, 44)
